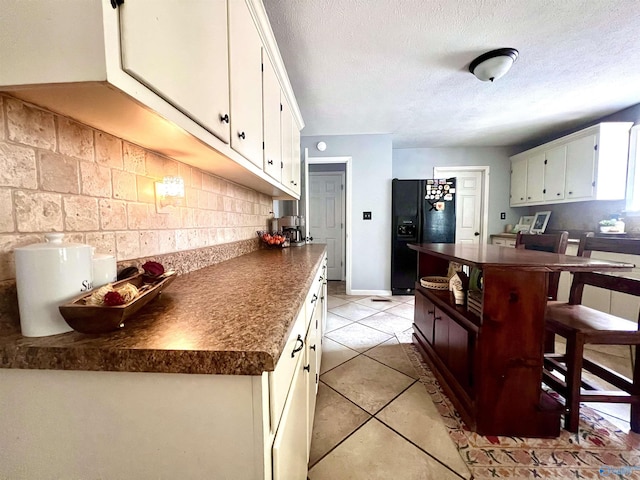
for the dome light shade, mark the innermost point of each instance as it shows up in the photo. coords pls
(494, 64)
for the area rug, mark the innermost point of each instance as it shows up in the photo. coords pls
(599, 449)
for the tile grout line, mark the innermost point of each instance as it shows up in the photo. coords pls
(423, 450)
(371, 415)
(374, 416)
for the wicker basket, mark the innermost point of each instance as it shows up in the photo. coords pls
(435, 283)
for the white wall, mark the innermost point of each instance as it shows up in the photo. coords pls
(371, 182)
(419, 162)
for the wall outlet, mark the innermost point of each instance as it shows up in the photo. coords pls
(366, 215)
(503, 216)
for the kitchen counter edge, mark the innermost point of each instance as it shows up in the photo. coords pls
(232, 318)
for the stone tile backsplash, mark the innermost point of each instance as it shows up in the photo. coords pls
(57, 175)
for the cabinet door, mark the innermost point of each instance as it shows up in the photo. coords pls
(581, 159)
(554, 173)
(287, 146)
(312, 373)
(535, 177)
(290, 443)
(181, 54)
(424, 313)
(459, 361)
(271, 119)
(518, 181)
(441, 335)
(245, 73)
(295, 157)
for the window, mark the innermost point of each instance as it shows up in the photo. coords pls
(633, 175)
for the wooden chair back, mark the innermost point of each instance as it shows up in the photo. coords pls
(588, 244)
(546, 242)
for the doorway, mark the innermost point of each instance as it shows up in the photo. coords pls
(326, 173)
(326, 216)
(472, 200)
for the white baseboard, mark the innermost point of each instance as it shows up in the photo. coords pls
(380, 293)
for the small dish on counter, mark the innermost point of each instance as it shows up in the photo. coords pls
(273, 240)
(89, 318)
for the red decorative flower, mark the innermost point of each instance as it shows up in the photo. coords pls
(153, 269)
(113, 299)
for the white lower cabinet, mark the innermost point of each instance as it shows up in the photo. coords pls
(615, 303)
(290, 454)
(503, 242)
(168, 425)
(293, 435)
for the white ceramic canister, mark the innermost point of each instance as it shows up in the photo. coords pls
(48, 275)
(105, 269)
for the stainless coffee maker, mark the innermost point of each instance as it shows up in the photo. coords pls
(291, 226)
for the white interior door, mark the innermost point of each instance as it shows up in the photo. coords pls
(470, 217)
(326, 218)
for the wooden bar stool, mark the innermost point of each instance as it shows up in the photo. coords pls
(546, 242)
(581, 325)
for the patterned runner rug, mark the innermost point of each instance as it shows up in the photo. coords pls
(599, 449)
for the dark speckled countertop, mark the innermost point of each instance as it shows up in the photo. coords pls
(230, 318)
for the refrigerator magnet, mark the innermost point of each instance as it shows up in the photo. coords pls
(448, 197)
(439, 206)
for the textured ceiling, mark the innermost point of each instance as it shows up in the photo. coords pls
(401, 66)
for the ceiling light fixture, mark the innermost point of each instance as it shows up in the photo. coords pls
(494, 64)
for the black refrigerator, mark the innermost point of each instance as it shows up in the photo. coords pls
(423, 211)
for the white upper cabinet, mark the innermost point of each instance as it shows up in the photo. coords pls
(180, 78)
(555, 161)
(182, 55)
(535, 178)
(287, 125)
(295, 154)
(519, 181)
(245, 62)
(587, 165)
(271, 120)
(581, 165)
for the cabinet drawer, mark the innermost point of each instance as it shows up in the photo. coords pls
(499, 241)
(280, 378)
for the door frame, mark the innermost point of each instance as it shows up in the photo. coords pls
(343, 215)
(484, 213)
(347, 204)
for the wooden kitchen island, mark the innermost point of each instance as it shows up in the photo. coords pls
(490, 366)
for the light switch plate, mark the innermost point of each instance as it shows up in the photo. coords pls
(366, 215)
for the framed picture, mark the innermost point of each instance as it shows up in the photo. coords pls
(526, 220)
(540, 222)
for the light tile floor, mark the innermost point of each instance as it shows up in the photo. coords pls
(374, 419)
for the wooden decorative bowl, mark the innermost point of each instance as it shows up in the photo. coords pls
(102, 318)
(435, 283)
